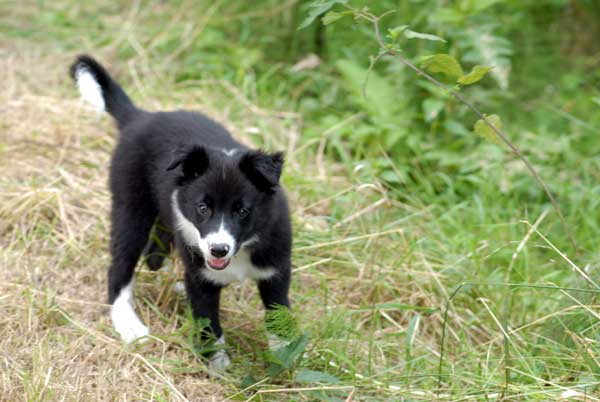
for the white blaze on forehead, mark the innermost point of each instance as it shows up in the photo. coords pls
(222, 236)
(229, 152)
(89, 88)
(188, 230)
(123, 316)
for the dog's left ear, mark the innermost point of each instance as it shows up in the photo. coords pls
(193, 161)
(262, 169)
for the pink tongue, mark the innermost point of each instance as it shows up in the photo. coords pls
(218, 262)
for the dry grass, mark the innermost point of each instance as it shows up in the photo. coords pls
(56, 338)
(55, 335)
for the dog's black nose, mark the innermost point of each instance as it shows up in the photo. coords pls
(219, 250)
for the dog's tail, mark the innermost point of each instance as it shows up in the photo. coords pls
(101, 91)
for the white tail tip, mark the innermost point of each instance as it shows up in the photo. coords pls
(89, 89)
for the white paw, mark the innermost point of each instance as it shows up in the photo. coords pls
(276, 342)
(179, 288)
(124, 319)
(131, 331)
(219, 361)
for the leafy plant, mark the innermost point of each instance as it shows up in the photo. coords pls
(444, 63)
(281, 322)
(287, 357)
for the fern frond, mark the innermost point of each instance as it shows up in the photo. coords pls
(483, 46)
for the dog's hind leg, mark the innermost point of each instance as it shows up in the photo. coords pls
(131, 226)
(159, 246)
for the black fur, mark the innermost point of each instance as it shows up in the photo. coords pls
(159, 246)
(158, 153)
(262, 169)
(117, 102)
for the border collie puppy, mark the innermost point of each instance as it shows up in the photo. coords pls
(221, 201)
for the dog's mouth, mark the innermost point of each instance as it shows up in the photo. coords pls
(218, 263)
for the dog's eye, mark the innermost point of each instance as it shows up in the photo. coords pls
(243, 212)
(202, 208)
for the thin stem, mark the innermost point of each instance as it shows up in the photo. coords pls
(508, 285)
(387, 50)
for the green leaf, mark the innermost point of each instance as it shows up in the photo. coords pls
(390, 176)
(432, 108)
(485, 131)
(394, 32)
(477, 73)
(411, 333)
(442, 63)
(290, 352)
(412, 34)
(393, 137)
(317, 8)
(456, 127)
(333, 16)
(248, 382)
(311, 376)
(285, 357)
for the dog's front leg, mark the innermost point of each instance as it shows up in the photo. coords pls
(274, 294)
(204, 299)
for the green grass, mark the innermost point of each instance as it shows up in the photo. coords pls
(395, 219)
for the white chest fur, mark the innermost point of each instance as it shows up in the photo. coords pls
(239, 269)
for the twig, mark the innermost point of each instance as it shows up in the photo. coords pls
(348, 240)
(386, 50)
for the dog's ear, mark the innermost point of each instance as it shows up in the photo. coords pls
(262, 169)
(193, 161)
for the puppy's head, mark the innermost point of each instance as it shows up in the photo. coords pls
(223, 199)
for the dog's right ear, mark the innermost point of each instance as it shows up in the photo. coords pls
(193, 161)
